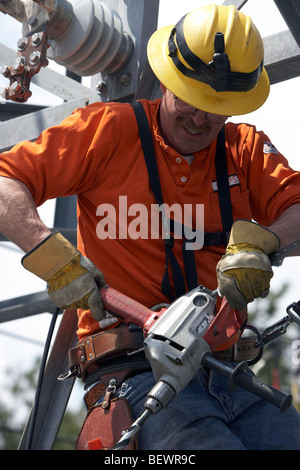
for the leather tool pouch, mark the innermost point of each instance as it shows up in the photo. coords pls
(105, 421)
(104, 424)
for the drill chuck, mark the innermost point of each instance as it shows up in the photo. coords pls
(159, 397)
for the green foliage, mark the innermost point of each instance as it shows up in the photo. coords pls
(21, 393)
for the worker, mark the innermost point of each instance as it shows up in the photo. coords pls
(210, 66)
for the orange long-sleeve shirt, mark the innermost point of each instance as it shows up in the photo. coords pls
(96, 153)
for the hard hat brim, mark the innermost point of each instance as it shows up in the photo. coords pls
(199, 94)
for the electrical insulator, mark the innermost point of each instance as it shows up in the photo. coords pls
(87, 37)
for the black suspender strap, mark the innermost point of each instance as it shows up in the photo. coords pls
(148, 149)
(149, 154)
(209, 238)
(223, 184)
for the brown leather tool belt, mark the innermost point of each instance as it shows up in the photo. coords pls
(119, 352)
(105, 350)
(243, 350)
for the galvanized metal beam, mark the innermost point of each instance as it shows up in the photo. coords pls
(148, 86)
(282, 57)
(9, 110)
(29, 128)
(25, 306)
(15, 9)
(66, 214)
(290, 11)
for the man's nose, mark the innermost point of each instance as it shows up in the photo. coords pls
(199, 117)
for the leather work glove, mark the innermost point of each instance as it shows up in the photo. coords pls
(245, 271)
(73, 281)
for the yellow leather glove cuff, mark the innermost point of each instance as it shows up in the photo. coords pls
(73, 280)
(250, 233)
(50, 256)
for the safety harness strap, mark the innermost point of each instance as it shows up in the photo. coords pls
(210, 239)
(223, 185)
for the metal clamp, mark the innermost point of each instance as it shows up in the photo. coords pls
(73, 372)
(31, 57)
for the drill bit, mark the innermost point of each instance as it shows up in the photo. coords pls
(132, 431)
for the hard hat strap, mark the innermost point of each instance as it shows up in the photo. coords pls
(217, 73)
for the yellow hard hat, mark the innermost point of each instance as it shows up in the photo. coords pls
(212, 59)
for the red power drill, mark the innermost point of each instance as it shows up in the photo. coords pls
(224, 327)
(179, 340)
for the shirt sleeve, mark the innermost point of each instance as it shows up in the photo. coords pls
(273, 184)
(65, 159)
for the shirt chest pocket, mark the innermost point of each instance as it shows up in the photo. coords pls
(240, 207)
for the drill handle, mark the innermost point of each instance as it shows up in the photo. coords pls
(124, 307)
(240, 377)
(266, 392)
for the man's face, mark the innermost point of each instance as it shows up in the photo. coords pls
(186, 132)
